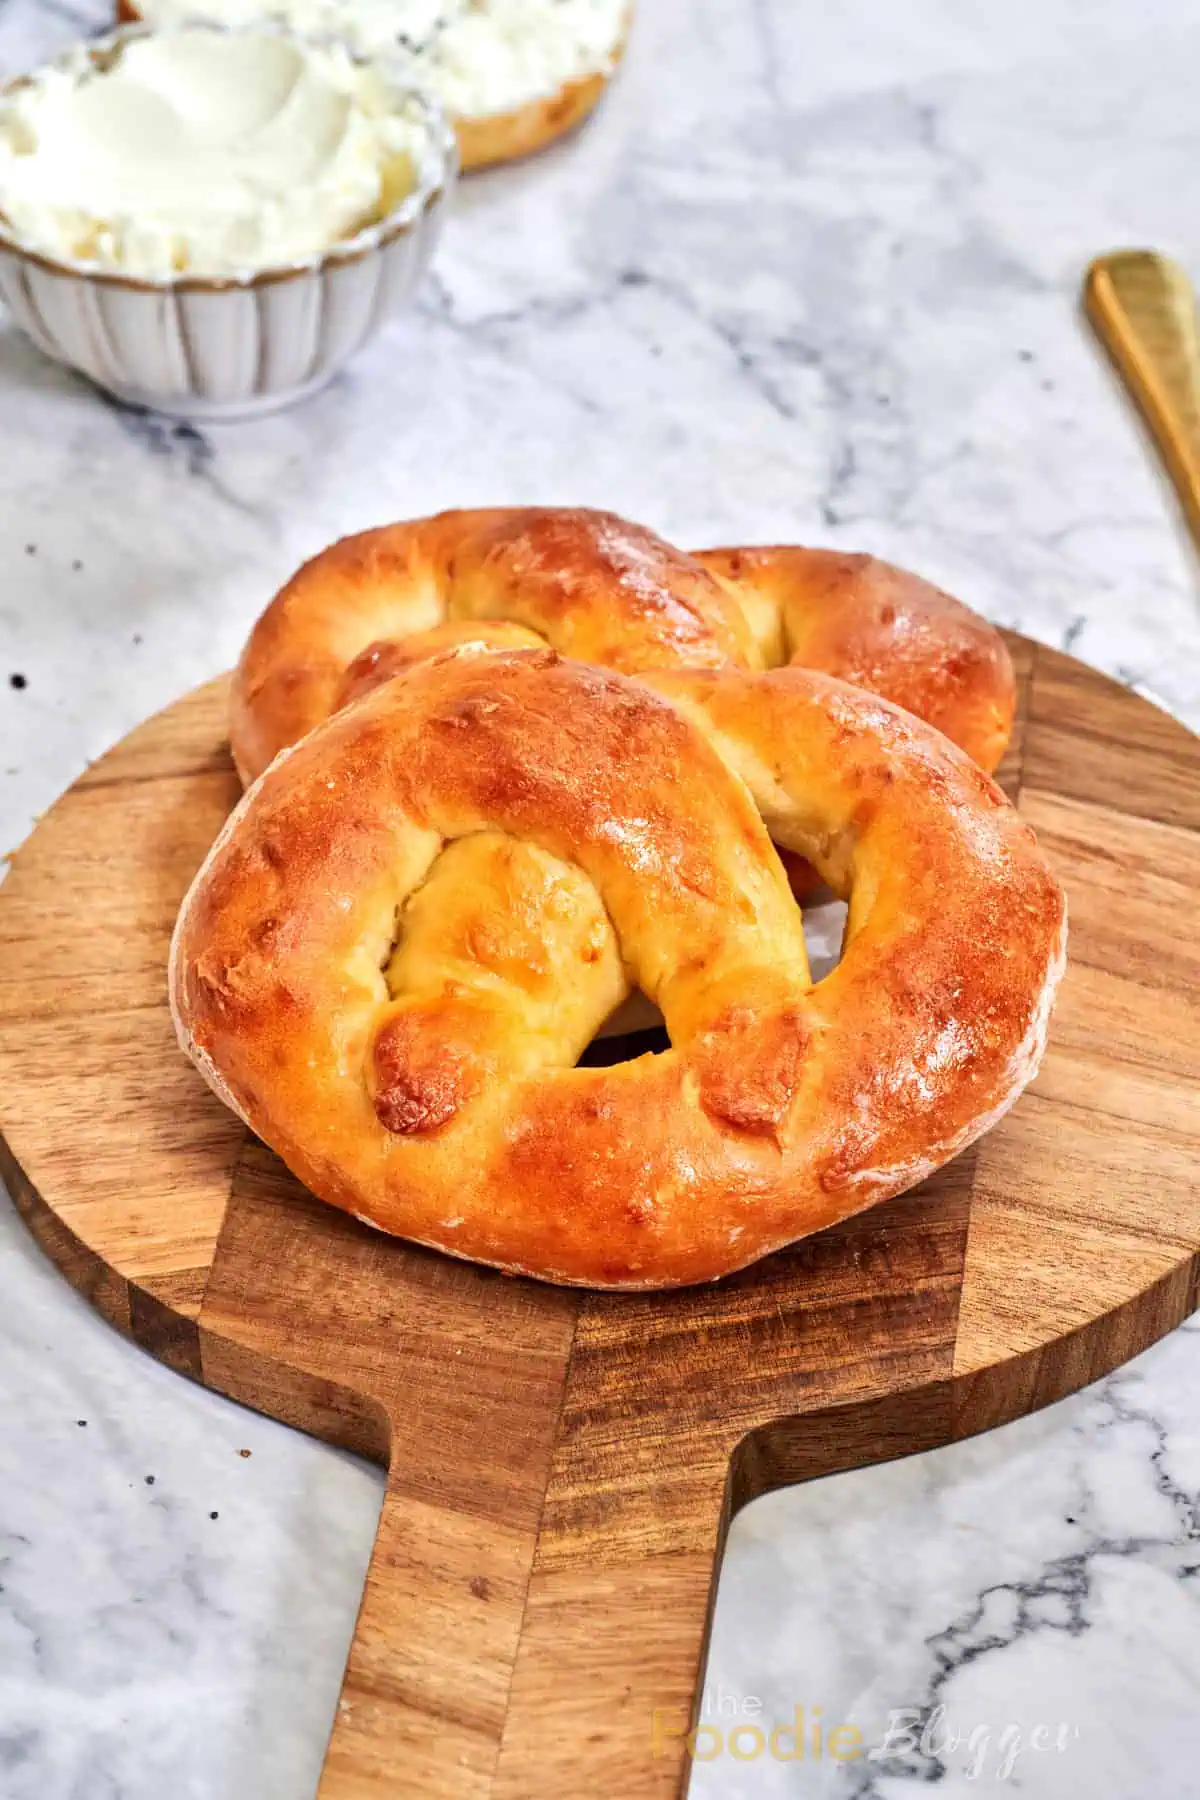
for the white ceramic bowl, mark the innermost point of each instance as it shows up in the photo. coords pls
(232, 346)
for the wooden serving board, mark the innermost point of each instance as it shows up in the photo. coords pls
(561, 1465)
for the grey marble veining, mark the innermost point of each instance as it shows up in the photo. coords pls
(1041, 1578)
(811, 274)
(173, 1613)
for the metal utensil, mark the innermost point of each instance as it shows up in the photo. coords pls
(1142, 307)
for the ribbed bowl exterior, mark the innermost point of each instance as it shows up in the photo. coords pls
(213, 349)
(230, 346)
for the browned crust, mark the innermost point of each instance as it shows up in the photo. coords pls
(505, 137)
(883, 628)
(780, 1107)
(590, 584)
(390, 657)
(601, 589)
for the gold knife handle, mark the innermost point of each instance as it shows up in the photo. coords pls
(1143, 310)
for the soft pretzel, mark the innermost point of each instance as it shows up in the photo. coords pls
(881, 628)
(595, 587)
(484, 139)
(419, 917)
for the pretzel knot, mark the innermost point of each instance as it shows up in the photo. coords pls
(596, 587)
(418, 919)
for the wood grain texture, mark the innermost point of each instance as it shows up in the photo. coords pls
(563, 1466)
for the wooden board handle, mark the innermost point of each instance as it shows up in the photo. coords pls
(426, 1686)
(613, 1648)
(535, 1615)
(1142, 308)
(575, 1676)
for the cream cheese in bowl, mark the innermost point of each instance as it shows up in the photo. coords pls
(202, 152)
(213, 221)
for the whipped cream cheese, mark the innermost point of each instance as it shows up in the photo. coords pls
(479, 57)
(203, 152)
(508, 52)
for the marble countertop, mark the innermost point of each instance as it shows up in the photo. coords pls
(811, 274)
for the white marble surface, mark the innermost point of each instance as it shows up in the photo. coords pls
(811, 274)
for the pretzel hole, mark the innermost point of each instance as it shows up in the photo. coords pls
(636, 1028)
(503, 957)
(624, 1046)
(824, 933)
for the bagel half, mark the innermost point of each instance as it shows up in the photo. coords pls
(484, 139)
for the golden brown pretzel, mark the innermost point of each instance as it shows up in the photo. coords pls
(881, 628)
(488, 138)
(418, 919)
(603, 590)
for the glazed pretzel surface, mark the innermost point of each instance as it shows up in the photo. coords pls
(596, 587)
(419, 917)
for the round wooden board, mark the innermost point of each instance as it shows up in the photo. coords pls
(562, 1465)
